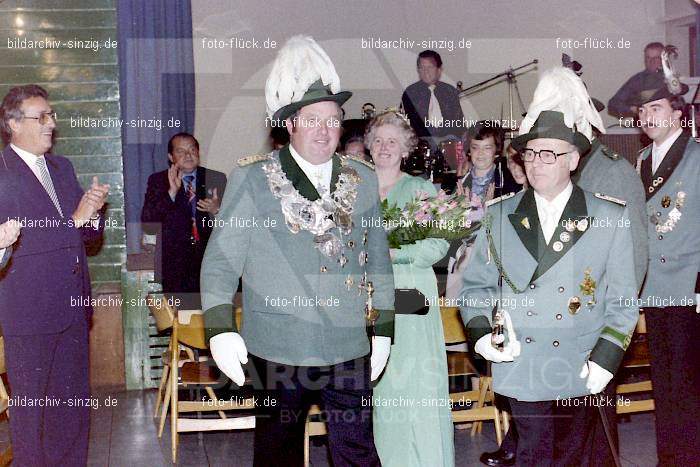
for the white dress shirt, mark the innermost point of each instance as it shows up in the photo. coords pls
(30, 160)
(550, 212)
(320, 175)
(658, 152)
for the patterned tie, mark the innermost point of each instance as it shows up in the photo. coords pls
(47, 183)
(192, 198)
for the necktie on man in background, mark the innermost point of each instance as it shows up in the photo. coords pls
(434, 111)
(192, 198)
(47, 183)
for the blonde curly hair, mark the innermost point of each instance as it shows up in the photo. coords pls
(392, 117)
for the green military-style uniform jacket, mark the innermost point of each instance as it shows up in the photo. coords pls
(569, 301)
(673, 190)
(300, 306)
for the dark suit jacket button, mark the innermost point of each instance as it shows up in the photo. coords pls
(76, 269)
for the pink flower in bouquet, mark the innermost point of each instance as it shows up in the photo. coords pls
(442, 195)
(443, 209)
(423, 216)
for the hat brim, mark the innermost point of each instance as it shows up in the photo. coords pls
(574, 137)
(288, 110)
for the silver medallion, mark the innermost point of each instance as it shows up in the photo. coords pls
(558, 246)
(565, 236)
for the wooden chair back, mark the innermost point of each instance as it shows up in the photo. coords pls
(452, 325)
(161, 311)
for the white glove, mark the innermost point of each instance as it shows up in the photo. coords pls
(229, 353)
(9, 232)
(381, 346)
(484, 348)
(598, 377)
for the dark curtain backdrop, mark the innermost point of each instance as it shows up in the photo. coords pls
(156, 85)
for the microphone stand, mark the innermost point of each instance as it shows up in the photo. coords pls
(510, 75)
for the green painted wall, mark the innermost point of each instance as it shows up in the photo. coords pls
(81, 75)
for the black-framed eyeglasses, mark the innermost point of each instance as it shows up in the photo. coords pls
(43, 117)
(545, 155)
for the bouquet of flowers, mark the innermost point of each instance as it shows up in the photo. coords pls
(450, 217)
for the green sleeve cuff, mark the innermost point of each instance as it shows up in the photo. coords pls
(385, 324)
(607, 354)
(477, 328)
(623, 340)
(217, 320)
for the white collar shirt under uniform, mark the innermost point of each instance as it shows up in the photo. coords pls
(658, 152)
(320, 175)
(550, 212)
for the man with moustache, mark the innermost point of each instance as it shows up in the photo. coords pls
(670, 171)
(180, 206)
(46, 337)
(541, 251)
(306, 211)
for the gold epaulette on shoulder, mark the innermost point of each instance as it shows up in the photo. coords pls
(621, 202)
(499, 199)
(359, 159)
(247, 160)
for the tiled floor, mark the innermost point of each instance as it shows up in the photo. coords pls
(125, 435)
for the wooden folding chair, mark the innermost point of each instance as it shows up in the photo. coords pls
(637, 356)
(459, 364)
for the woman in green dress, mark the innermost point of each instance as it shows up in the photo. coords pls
(412, 417)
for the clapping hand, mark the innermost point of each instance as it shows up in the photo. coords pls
(174, 180)
(210, 205)
(92, 201)
(9, 232)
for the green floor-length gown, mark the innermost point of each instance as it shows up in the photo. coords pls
(416, 428)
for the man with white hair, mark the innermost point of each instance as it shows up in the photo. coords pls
(558, 260)
(602, 170)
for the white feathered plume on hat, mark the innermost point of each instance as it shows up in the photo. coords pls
(672, 79)
(299, 63)
(562, 91)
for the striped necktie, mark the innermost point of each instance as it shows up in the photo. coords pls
(48, 184)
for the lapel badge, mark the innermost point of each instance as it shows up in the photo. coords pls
(657, 181)
(666, 201)
(570, 226)
(588, 286)
(565, 236)
(526, 223)
(362, 258)
(651, 189)
(582, 225)
(558, 246)
(574, 305)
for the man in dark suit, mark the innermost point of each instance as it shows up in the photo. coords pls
(45, 290)
(433, 106)
(180, 206)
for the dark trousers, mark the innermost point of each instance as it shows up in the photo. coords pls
(50, 411)
(567, 432)
(673, 335)
(342, 390)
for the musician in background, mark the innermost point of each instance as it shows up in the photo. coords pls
(623, 103)
(433, 106)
